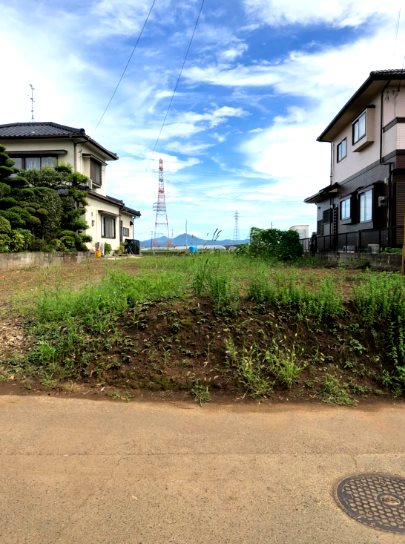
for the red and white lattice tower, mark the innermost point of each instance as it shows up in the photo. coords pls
(236, 228)
(161, 222)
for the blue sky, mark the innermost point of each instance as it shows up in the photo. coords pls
(261, 81)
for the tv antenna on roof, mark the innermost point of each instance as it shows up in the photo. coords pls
(32, 102)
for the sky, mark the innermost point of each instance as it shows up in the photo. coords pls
(261, 80)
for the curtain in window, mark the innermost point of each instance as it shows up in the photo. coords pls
(108, 227)
(17, 162)
(48, 161)
(366, 209)
(95, 172)
(33, 163)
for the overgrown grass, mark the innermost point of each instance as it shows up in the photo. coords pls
(284, 362)
(287, 290)
(380, 296)
(380, 302)
(65, 322)
(335, 392)
(201, 393)
(259, 370)
(108, 299)
(71, 326)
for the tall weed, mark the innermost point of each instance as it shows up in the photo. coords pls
(380, 296)
(286, 290)
(283, 362)
(250, 369)
(68, 323)
(380, 301)
(213, 277)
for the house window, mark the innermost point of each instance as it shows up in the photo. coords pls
(359, 128)
(95, 172)
(125, 231)
(366, 206)
(107, 226)
(345, 209)
(342, 150)
(35, 163)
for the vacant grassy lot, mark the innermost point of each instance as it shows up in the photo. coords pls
(206, 325)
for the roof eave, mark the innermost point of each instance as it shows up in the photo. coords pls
(78, 134)
(130, 211)
(382, 76)
(323, 194)
(110, 154)
(115, 202)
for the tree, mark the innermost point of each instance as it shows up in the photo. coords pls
(69, 187)
(276, 244)
(41, 209)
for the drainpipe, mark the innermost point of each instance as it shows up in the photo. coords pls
(75, 144)
(381, 118)
(389, 198)
(333, 236)
(331, 163)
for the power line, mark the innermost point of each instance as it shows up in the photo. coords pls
(179, 77)
(127, 64)
(397, 29)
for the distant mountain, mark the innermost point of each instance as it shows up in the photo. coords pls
(189, 240)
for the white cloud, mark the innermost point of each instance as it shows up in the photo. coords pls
(225, 75)
(188, 147)
(232, 53)
(312, 74)
(339, 13)
(125, 17)
(186, 124)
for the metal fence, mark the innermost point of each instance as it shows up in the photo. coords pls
(371, 240)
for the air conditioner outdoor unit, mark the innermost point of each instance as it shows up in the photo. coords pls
(373, 248)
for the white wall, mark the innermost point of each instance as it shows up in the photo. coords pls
(357, 160)
(93, 217)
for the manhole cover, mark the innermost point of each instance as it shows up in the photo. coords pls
(377, 500)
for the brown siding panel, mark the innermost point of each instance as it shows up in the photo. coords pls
(400, 161)
(400, 201)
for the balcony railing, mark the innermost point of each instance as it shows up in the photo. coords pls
(373, 240)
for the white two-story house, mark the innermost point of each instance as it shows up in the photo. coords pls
(36, 145)
(363, 206)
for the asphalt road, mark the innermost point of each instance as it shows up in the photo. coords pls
(79, 471)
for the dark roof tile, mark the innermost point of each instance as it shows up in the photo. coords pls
(48, 130)
(30, 130)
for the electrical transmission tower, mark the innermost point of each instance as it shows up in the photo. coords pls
(161, 222)
(236, 228)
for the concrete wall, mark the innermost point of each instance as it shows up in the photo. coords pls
(14, 261)
(381, 261)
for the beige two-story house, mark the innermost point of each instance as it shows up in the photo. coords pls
(363, 206)
(36, 145)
